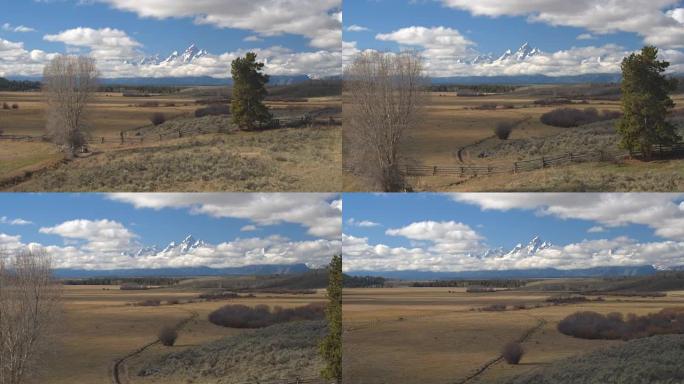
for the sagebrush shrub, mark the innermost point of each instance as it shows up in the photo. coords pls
(512, 353)
(503, 130)
(158, 118)
(168, 335)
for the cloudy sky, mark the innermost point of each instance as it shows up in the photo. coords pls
(294, 37)
(96, 231)
(576, 37)
(452, 232)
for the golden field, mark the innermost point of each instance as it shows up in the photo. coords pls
(439, 335)
(99, 325)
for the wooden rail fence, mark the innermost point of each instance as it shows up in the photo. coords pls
(534, 164)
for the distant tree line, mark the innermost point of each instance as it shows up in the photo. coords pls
(362, 281)
(500, 283)
(479, 88)
(143, 281)
(24, 85)
(140, 89)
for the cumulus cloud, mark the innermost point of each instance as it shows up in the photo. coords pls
(319, 213)
(436, 41)
(105, 44)
(319, 21)
(654, 20)
(100, 235)
(659, 211)
(447, 236)
(239, 252)
(360, 255)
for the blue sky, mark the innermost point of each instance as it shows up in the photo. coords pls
(579, 37)
(274, 228)
(449, 231)
(293, 37)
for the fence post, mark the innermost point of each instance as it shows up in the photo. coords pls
(601, 155)
(434, 170)
(160, 137)
(489, 169)
(122, 137)
(141, 139)
(570, 155)
(102, 142)
(462, 172)
(543, 163)
(515, 167)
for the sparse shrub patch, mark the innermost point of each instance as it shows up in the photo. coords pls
(5, 106)
(15, 106)
(495, 308)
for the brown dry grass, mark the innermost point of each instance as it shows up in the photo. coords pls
(419, 335)
(98, 326)
(451, 123)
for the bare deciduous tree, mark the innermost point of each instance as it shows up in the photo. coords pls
(69, 84)
(386, 92)
(29, 299)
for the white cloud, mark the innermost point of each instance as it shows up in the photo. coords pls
(249, 228)
(656, 210)
(20, 28)
(320, 21)
(360, 255)
(649, 19)
(362, 223)
(437, 42)
(596, 229)
(252, 38)
(356, 28)
(105, 44)
(236, 253)
(447, 236)
(17, 221)
(585, 36)
(312, 210)
(100, 235)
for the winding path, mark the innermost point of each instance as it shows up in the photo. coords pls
(524, 337)
(119, 364)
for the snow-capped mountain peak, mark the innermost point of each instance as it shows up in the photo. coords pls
(535, 245)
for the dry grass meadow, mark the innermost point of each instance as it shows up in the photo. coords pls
(439, 335)
(99, 326)
(457, 131)
(308, 158)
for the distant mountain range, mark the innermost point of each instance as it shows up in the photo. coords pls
(268, 269)
(519, 251)
(175, 249)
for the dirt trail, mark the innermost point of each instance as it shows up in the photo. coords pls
(119, 364)
(524, 337)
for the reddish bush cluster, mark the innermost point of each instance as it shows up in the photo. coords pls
(592, 325)
(495, 308)
(221, 295)
(213, 110)
(567, 299)
(572, 117)
(242, 316)
(503, 129)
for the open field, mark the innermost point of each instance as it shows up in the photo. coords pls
(458, 131)
(99, 326)
(184, 154)
(440, 335)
